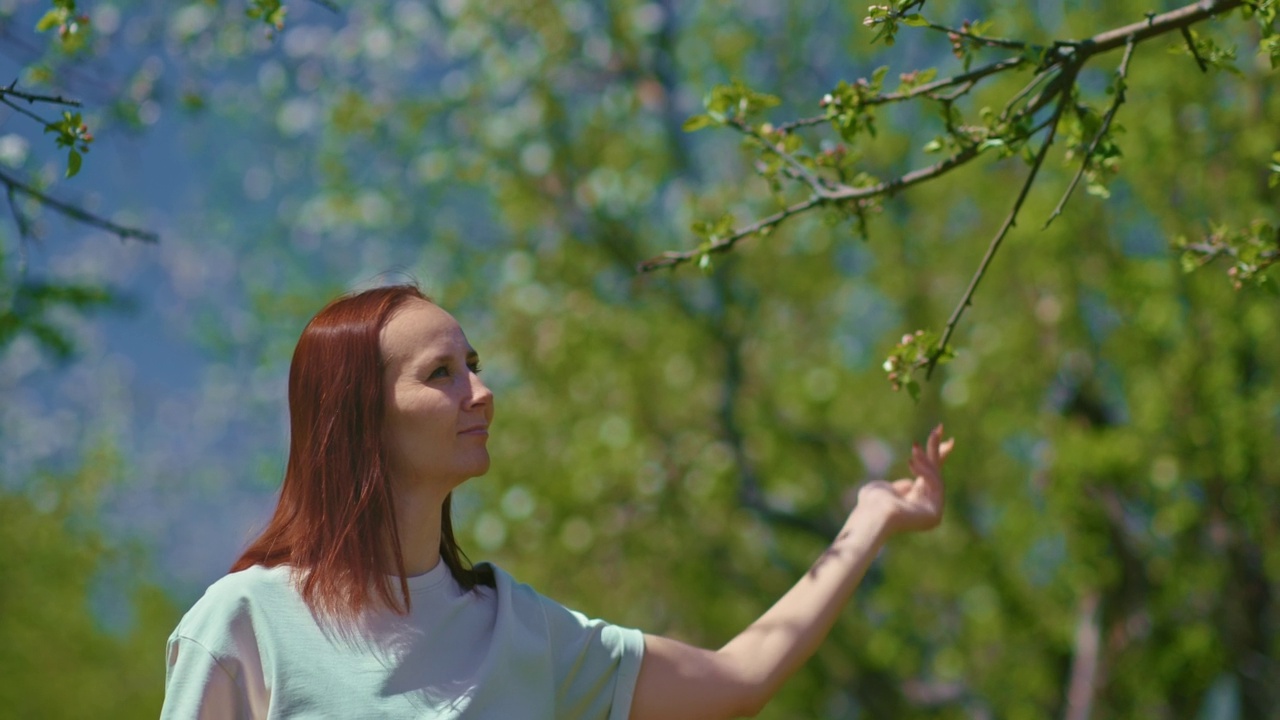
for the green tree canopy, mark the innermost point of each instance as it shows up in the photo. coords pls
(672, 448)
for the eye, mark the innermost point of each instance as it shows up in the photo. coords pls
(474, 366)
(440, 372)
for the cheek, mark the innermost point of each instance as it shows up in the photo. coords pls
(417, 419)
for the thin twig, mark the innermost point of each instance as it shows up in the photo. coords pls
(328, 5)
(843, 193)
(1009, 222)
(672, 258)
(23, 111)
(1070, 58)
(981, 39)
(1029, 88)
(914, 177)
(35, 98)
(817, 184)
(1191, 45)
(75, 213)
(961, 91)
(970, 78)
(1213, 250)
(1121, 73)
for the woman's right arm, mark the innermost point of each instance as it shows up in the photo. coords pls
(681, 681)
(196, 686)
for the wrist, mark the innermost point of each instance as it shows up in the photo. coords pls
(869, 522)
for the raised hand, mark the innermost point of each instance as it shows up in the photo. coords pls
(911, 503)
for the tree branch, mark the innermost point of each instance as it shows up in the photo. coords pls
(23, 111)
(843, 193)
(970, 79)
(980, 39)
(671, 258)
(12, 91)
(1065, 57)
(802, 173)
(1121, 74)
(1191, 45)
(13, 185)
(1009, 222)
(1155, 25)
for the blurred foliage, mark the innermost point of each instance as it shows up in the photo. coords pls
(672, 450)
(73, 611)
(32, 307)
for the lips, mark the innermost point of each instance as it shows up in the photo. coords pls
(475, 430)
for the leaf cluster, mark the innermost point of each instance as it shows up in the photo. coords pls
(1250, 250)
(919, 350)
(72, 133)
(732, 102)
(1051, 105)
(72, 27)
(269, 12)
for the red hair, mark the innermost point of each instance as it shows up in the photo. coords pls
(335, 520)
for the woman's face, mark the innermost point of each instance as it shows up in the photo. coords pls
(437, 410)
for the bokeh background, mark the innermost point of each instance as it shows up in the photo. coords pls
(670, 450)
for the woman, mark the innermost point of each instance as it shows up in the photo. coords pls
(357, 602)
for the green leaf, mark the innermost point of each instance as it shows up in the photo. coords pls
(73, 163)
(915, 20)
(51, 19)
(697, 122)
(877, 77)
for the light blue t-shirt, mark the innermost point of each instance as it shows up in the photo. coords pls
(250, 648)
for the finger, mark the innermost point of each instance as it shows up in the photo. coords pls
(902, 487)
(945, 449)
(917, 460)
(935, 438)
(918, 469)
(926, 472)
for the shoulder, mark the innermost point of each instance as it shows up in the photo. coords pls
(512, 599)
(508, 590)
(231, 605)
(249, 587)
(537, 610)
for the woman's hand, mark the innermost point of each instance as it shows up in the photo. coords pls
(681, 681)
(910, 504)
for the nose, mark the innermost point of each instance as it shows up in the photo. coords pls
(480, 393)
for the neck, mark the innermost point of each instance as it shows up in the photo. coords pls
(418, 515)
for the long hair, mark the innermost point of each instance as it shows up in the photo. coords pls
(335, 523)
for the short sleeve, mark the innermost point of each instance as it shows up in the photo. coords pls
(196, 686)
(596, 664)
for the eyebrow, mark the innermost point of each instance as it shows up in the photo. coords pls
(438, 359)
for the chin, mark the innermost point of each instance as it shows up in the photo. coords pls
(478, 468)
